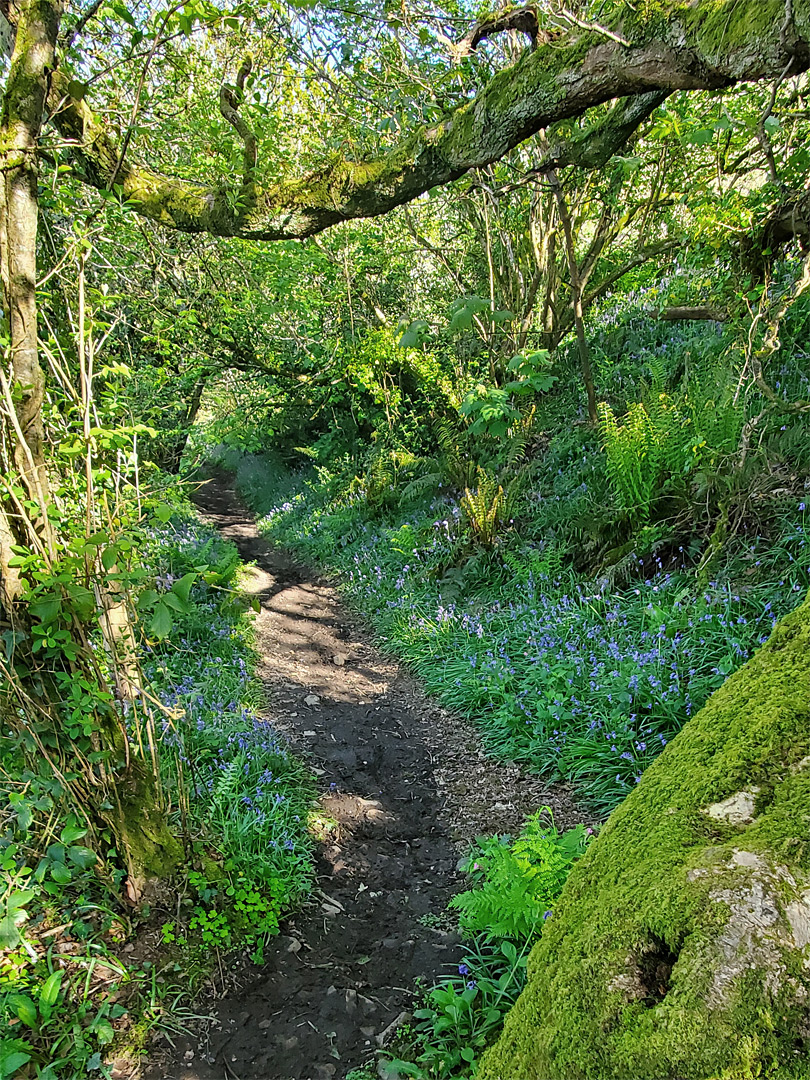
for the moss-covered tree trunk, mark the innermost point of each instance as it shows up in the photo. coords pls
(680, 947)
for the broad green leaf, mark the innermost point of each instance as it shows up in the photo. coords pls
(23, 1007)
(60, 873)
(71, 833)
(182, 588)
(82, 857)
(161, 624)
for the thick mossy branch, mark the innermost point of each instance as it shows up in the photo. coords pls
(673, 46)
(680, 947)
(593, 148)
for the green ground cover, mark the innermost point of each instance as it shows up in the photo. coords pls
(578, 679)
(71, 996)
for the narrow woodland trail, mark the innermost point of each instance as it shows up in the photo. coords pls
(408, 786)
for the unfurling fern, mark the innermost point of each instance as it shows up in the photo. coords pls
(517, 881)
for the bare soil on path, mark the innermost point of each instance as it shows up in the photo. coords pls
(407, 787)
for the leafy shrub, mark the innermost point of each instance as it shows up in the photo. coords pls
(517, 881)
(462, 1013)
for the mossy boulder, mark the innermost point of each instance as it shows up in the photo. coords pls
(680, 947)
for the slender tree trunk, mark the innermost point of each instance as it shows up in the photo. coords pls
(576, 295)
(37, 23)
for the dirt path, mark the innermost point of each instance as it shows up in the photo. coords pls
(407, 785)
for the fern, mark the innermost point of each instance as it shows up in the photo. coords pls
(517, 882)
(647, 446)
(484, 508)
(545, 564)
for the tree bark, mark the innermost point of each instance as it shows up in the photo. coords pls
(678, 948)
(37, 23)
(137, 820)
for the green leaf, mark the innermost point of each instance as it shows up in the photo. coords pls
(50, 989)
(23, 1007)
(61, 874)
(414, 335)
(45, 611)
(701, 137)
(163, 513)
(161, 624)
(171, 600)
(182, 588)
(104, 1032)
(9, 934)
(17, 900)
(11, 1062)
(70, 833)
(108, 558)
(147, 599)
(82, 857)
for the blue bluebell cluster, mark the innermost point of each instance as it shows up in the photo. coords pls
(248, 794)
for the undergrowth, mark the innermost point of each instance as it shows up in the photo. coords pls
(72, 996)
(577, 678)
(514, 883)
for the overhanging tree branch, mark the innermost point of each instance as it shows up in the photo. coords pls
(710, 46)
(229, 102)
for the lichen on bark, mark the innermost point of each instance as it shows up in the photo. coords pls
(680, 947)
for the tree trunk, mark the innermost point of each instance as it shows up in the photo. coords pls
(144, 840)
(37, 24)
(576, 296)
(679, 947)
